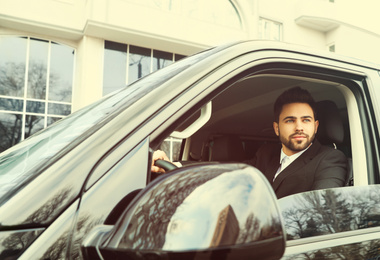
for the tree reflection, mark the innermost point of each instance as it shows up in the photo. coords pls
(17, 242)
(253, 230)
(331, 211)
(37, 73)
(12, 78)
(12, 81)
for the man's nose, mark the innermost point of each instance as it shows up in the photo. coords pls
(299, 126)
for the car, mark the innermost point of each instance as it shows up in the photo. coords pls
(82, 188)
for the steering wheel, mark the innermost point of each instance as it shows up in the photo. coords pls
(166, 165)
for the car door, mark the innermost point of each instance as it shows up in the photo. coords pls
(340, 223)
(195, 90)
(161, 110)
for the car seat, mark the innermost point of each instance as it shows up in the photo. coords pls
(227, 148)
(331, 130)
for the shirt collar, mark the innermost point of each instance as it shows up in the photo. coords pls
(294, 156)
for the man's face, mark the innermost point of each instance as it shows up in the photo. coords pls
(296, 127)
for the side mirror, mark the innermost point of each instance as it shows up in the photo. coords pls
(214, 211)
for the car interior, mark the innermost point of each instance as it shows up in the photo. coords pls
(238, 120)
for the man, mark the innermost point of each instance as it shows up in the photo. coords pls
(300, 163)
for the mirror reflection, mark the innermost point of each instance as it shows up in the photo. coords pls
(204, 208)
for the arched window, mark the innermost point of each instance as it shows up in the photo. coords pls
(36, 78)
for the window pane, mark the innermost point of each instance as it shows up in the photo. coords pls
(177, 57)
(61, 73)
(37, 69)
(172, 147)
(10, 130)
(11, 104)
(52, 120)
(33, 124)
(270, 30)
(139, 63)
(12, 66)
(322, 212)
(35, 107)
(115, 67)
(59, 109)
(161, 59)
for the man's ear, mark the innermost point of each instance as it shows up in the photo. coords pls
(316, 126)
(275, 128)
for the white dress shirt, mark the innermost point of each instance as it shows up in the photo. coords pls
(285, 160)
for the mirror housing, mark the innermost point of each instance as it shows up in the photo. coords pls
(218, 211)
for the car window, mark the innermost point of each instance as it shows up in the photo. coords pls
(26, 160)
(331, 211)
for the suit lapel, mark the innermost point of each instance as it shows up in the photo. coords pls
(273, 167)
(297, 164)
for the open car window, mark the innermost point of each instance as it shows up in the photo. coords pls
(242, 114)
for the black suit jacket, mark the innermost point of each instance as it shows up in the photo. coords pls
(319, 167)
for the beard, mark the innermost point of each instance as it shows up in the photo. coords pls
(296, 145)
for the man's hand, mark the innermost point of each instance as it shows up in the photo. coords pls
(158, 155)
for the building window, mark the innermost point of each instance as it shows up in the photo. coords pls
(141, 61)
(36, 78)
(270, 30)
(172, 147)
(331, 47)
(124, 64)
(115, 66)
(139, 64)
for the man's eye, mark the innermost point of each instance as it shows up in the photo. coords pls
(289, 121)
(306, 120)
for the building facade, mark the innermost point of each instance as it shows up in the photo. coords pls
(57, 56)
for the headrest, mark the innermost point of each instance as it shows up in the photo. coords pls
(227, 148)
(330, 128)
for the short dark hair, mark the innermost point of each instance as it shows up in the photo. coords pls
(293, 95)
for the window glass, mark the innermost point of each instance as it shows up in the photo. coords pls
(10, 130)
(270, 30)
(61, 73)
(35, 107)
(12, 66)
(115, 66)
(331, 47)
(178, 57)
(161, 59)
(11, 104)
(33, 124)
(331, 211)
(24, 161)
(172, 147)
(139, 63)
(46, 67)
(121, 64)
(59, 109)
(37, 68)
(52, 120)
